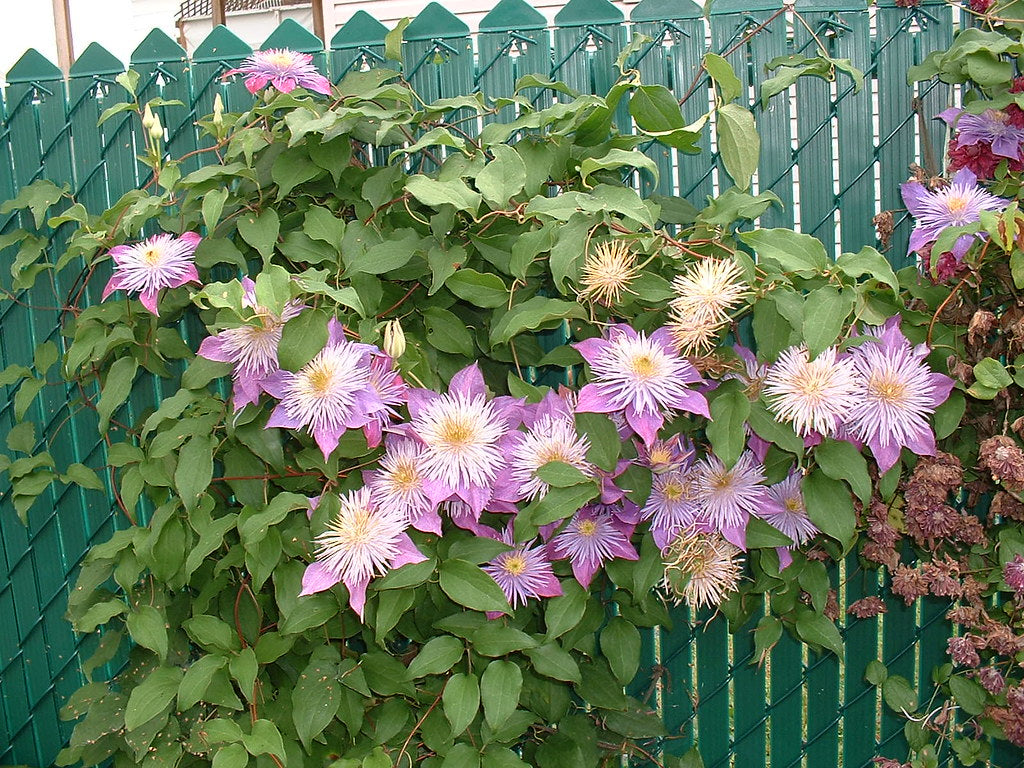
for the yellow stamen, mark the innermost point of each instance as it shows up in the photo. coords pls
(514, 564)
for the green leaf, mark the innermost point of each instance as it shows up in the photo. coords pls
(560, 503)
(618, 158)
(395, 252)
(947, 416)
(899, 694)
(802, 254)
(551, 660)
(868, 261)
(446, 332)
(825, 313)
(316, 696)
(469, 586)
(147, 626)
(876, 672)
(265, 739)
(563, 612)
(655, 108)
(230, 756)
(211, 633)
(605, 443)
(968, 693)
(503, 177)
(194, 471)
(727, 429)
(819, 630)
(260, 231)
(992, 374)
(830, 507)
(302, 338)
(436, 657)
(436, 193)
(561, 475)
(500, 686)
(22, 437)
(37, 197)
(738, 143)
(480, 289)
(841, 460)
(620, 645)
(531, 314)
(393, 40)
(152, 696)
(461, 756)
(762, 535)
(116, 388)
(321, 224)
(292, 168)
(213, 206)
(721, 72)
(461, 701)
(494, 639)
(197, 680)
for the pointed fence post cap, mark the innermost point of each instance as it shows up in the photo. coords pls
(96, 60)
(292, 35)
(220, 44)
(157, 46)
(667, 10)
(33, 66)
(580, 13)
(512, 15)
(831, 5)
(741, 7)
(361, 29)
(436, 21)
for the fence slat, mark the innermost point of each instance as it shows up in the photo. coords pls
(513, 41)
(438, 54)
(589, 34)
(290, 34)
(359, 44)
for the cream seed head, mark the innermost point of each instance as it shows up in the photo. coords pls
(608, 269)
(701, 568)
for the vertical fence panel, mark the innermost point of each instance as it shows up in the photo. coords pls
(860, 639)
(588, 37)
(672, 59)
(220, 52)
(438, 54)
(513, 41)
(358, 45)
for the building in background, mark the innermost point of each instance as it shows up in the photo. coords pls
(62, 29)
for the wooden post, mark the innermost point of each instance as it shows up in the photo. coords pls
(219, 14)
(62, 32)
(318, 20)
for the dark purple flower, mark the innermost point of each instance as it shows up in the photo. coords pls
(523, 573)
(992, 127)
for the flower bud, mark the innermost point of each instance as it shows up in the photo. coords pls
(218, 110)
(394, 338)
(147, 118)
(156, 130)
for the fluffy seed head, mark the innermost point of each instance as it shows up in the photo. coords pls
(701, 568)
(608, 269)
(705, 295)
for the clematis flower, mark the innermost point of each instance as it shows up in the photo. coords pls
(390, 389)
(397, 484)
(362, 541)
(282, 68)
(640, 376)
(815, 395)
(898, 394)
(993, 127)
(251, 348)
(331, 393)
(701, 568)
(728, 496)
(784, 509)
(956, 205)
(523, 573)
(672, 503)
(464, 436)
(593, 537)
(549, 439)
(161, 261)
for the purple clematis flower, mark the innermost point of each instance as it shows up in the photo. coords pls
(282, 68)
(672, 503)
(398, 484)
(640, 376)
(728, 496)
(956, 205)
(522, 573)
(362, 541)
(899, 393)
(161, 261)
(465, 437)
(332, 392)
(251, 348)
(992, 127)
(784, 509)
(593, 536)
(390, 389)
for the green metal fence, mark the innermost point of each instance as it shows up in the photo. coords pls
(834, 157)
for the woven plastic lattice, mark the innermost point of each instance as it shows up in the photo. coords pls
(833, 156)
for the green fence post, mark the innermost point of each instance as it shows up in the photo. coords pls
(220, 52)
(860, 640)
(290, 34)
(359, 45)
(438, 54)
(905, 36)
(672, 59)
(715, 709)
(589, 34)
(678, 660)
(732, 22)
(164, 70)
(513, 41)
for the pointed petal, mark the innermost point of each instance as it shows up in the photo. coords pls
(113, 284)
(591, 400)
(279, 418)
(317, 578)
(213, 348)
(407, 553)
(645, 424)
(469, 381)
(328, 438)
(357, 595)
(584, 572)
(150, 300)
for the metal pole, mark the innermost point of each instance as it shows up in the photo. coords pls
(318, 20)
(62, 32)
(219, 14)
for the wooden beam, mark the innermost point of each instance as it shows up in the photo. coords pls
(220, 16)
(62, 33)
(318, 20)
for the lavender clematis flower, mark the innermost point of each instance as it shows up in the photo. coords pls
(362, 541)
(672, 504)
(991, 127)
(251, 348)
(331, 393)
(398, 484)
(161, 261)
(523, 573)
(390, 389)
(641, 376)
(899, 393)
(956, 205)
(282, 68)
(592, 537)
(784, 509)
(728, 496)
